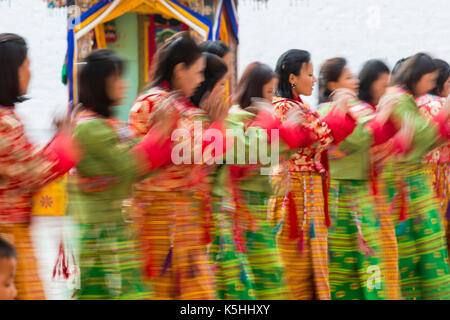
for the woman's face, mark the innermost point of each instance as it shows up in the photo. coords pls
(24, 76)
(219, 89)
(227, 59)
(446, 88)
(304, 82)
(346, 81)
(8, 289)
(116, 88)
(425, 84)
(188, 78)
(268, 90)
(379, 87)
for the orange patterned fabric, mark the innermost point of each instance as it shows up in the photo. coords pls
(176, 176)
(306, 159)
(389, 243)
(23, 169)
(307, 269)
(430, 105)
(27, 279)
(174, 219)
(172, 233)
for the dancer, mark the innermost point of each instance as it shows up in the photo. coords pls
(113, 160)
(438, 159)
(302, 237)
(373, 82)
(423, 256)
(356, 257)
(24, 168)
(245, 249)
(175, 227)
(233, 278)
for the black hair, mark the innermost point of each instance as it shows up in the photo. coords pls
(98, 66)
(13, 52)
(398, 65)
(219, 48)
(289, 63)
(330, 71)
(444, 73)
(7, 250)
(215, 70)
(371, 72)
(252, 81)
(413, 70)
(180, 48)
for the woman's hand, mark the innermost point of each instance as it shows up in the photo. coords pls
(385, 108)
(343, 97)
(260, 104)
(214, 105)
(164, 115)
(296, 115)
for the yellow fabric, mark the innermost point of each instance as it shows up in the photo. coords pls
(188, 16)
(27, 281)
(91, 18)
(100, 36)
(52, 199)
(223, 35)
(147, 53)
(223, 32)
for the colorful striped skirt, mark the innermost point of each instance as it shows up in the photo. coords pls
(110, 263)
(233, 277)
(389, 242)
(27, 280)
(305, 256)
(175, 248)
(356, 263)
(440, 175)
(261, 250)
(423, 256)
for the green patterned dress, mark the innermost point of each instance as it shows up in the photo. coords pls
(244, 253)
(355, 251)
(110, 261)
(423, 257)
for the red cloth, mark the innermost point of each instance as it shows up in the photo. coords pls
(340, 123)
(296, 136)
(297, 98)
(444, 126)
(381, 133)
(153, 149)
(291, 133)
(66, 152)
(216, 125)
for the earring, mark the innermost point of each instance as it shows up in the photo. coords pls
(293, 85)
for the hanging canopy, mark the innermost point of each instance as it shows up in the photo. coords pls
(225, 8)
(106, 10)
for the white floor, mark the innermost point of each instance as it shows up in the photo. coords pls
(47, 233)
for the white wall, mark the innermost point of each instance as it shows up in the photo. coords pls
(46, 33)
(356, 29)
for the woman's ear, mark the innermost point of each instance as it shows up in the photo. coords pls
(178, 69)
(331, 85)
(292, 78)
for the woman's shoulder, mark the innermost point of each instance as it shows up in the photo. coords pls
(93, 129)
(9, 120)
